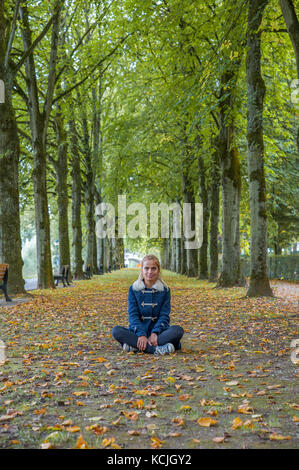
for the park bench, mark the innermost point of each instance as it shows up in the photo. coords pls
(87, 272)
(3, 280)
(62, 276)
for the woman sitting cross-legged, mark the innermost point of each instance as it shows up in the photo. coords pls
(149, 309)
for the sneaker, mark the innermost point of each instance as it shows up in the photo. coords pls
(128, 348)
(165, 349)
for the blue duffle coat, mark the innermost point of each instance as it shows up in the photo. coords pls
(149, 308)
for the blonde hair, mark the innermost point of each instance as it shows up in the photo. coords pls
(156, 260)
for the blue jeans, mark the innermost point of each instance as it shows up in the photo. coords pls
(173, 334)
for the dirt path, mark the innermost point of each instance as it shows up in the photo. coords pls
(67, 383)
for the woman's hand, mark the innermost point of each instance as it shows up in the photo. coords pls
(153, 339)
(141, 343)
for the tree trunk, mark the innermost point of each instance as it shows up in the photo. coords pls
(189, 197)
(165, 253)
(39, 126)
(231, 190)
(259, 282)
(61, 167)
(183, 266)
(42, 222)
(214, 216)
(88, 195)
(292, 24)
(178, 255)
(76, 202)
(203, 251)
(10, 238)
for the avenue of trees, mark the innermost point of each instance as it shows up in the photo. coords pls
(161, 101)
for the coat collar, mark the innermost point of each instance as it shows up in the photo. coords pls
(139, 285)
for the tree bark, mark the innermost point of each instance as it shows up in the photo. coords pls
(39, 126)
(189, 197)
(214, 216)
(231, 190)
(10, 237)
(61, 167)
(259, 282)
(89, 199)
(183, 265)
(292, 24)
(203, 251)
(76, 202)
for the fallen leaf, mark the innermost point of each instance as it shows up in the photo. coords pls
(207, 422)
(73, 429)
(219, 440)
(178, 421)
(81, 443)
(278, 437)
(156, 443)
(237, 423)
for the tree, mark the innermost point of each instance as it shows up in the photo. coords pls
(259, 282)
(292, 24)
(39, 121)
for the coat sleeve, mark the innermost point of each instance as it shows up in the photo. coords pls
(134, 319)
(164, 319)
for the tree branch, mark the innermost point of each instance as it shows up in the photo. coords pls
(34, 44)
(12, 34)
(69, 90)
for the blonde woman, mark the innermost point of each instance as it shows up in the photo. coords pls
(149, 309)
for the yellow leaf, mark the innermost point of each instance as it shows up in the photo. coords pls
(171, 379)
(278, 437)
(130, 414)
(42, 411)
(138, 404)
(100, 359)
(185, 408)
(98, 430)
(81, 444)
(237, 422)
(295, 419)
(245, 409)
(108, 442)
(156, 443)
(207, 422)
(212, 412)
(133, 432)
(73, 429)
(178, 421)
(185, 397)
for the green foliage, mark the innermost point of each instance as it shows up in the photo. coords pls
(150, 72)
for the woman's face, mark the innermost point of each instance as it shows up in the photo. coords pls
(150, 271)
